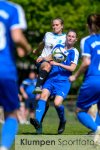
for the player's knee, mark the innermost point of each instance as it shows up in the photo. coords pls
(13, 114)
(57, 104)
(46, 66)
(78, 110)
(44, 96)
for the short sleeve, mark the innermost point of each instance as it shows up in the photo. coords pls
(85, 47)
(75, 56)
(17, 19)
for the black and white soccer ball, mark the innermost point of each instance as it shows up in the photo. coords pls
(58, 53)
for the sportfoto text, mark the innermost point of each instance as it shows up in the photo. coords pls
(60, 142)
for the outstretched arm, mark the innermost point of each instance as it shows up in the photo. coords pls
(85, 63)
(71, 68)
(39, 49)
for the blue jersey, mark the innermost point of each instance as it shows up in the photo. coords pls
(59, 73)
(29, 86)
(11, 17)
(90, 46)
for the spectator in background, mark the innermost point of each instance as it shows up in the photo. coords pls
(12, 21)
(22, 114)
(26, 89)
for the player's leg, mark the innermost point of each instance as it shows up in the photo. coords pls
(43, 73)
(61, 90)
(9, 130)
(98, 113)
(46, 109)
(22, 113)
(61, 113)
(40, 109)
(88, 122)
(10, 105)
(32, 112)
(89, 95)
(39, 130)
(93, 110)
(86, 119)
(1, 115)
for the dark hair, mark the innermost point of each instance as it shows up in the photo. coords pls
(71, 30)
(61, 20)
(32, 71)
(93, 20)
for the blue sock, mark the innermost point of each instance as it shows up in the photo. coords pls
(61, 113)
(87, 120)
(40, 110)
(9, 130)
(97, 118)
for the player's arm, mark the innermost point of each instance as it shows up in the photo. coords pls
(40, 58)
(71, 68)
(84, 65)
(20, 40)
(24, 94)
(40, 48)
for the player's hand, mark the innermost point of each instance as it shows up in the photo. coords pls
(48, 58)
(72, 78)
(54, 63)
(34, 51)
(39, 59)
(21, 52)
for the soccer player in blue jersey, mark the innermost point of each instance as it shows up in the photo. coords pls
(58, 84)
(50, 40)
(12, 21)
(90, 90)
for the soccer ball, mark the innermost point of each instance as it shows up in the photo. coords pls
(58, 53)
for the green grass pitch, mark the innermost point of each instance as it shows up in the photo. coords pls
(51, 122)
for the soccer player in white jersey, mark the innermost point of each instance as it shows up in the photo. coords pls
(12, 21)
(58, 84)
(90, 90)
(49, 41)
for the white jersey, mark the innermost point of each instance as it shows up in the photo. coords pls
(50, 40)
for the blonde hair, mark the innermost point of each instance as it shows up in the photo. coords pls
(61, 20)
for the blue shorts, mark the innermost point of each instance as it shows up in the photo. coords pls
(57, 87)
(30, 103)
(9, 95)
(89, 93)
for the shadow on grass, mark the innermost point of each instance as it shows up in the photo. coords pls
(34, 133)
